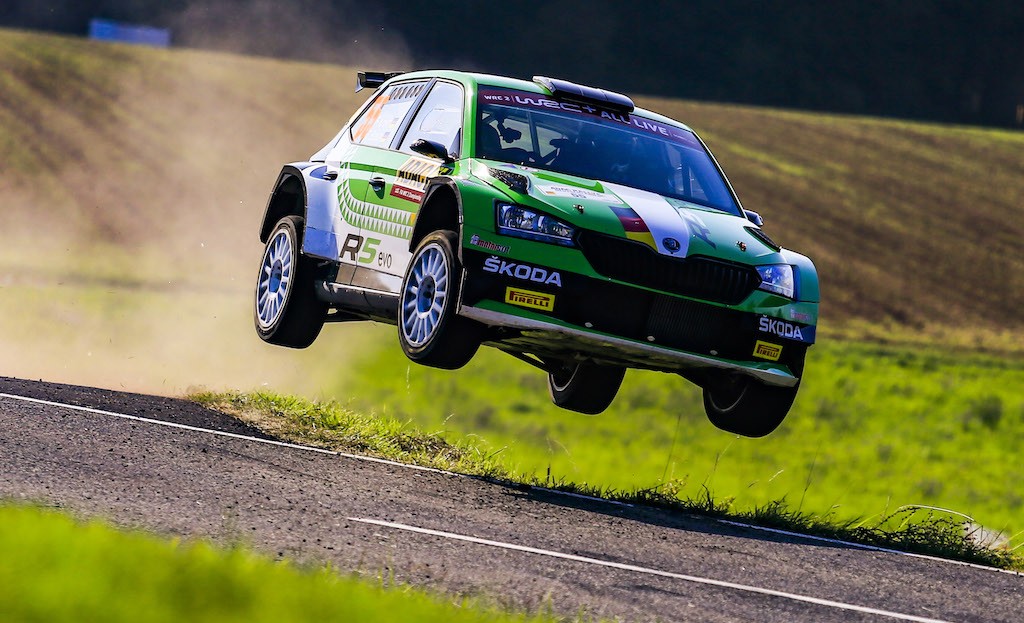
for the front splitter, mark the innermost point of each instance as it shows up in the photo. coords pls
(645, 355)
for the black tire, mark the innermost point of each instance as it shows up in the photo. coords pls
(429, 330)
(585, 388)
(742, 405)
(286, 310)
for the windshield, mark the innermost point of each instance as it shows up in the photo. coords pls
(577, 139)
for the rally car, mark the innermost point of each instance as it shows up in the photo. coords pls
(554, 221)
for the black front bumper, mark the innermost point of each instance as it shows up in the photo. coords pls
(637, 314)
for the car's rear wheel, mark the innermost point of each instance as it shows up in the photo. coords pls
(287, 311)
(585, 388)
(429, 330)
(742, 405)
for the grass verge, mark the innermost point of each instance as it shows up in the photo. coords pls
(58, 569)
(875, 428)
(333, 426)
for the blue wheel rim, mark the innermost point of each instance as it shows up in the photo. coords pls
(425, 295)
(275, 277)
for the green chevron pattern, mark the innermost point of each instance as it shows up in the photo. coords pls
(369, 216)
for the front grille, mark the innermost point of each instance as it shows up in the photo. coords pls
(661, 320)
(697, 277)
(697, 327)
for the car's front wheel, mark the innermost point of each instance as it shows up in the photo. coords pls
(742, 405)
(585, 388)
(429, 330)
(287, 311)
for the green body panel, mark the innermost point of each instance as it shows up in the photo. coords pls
(561, 258)
(725, 231)
(387, 215)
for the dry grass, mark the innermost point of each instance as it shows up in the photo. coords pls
(908, 223)
(132, 182)
(140, 147)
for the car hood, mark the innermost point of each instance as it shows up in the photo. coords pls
(672, 227)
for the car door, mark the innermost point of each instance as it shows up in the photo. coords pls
(350, 165)
(396, 186)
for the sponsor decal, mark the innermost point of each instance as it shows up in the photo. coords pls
(414, 173)
(525, 272)
(477, 241)
(780, 328)
(742, 246)
(574, 192)
(509, 97)
(364, 250)
(635, 227)
(768, 351)
(529, 298)
(406, 193)
(411, 178)
(799, 316)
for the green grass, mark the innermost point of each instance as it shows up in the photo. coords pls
(880, 440)
(57, 569)
(874, 428)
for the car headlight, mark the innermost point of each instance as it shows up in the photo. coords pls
(523, 222)
(778, 279)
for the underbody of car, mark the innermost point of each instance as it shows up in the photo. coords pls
(554, 221)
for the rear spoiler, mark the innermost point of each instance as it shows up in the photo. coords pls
(582, 94)
(373, 79)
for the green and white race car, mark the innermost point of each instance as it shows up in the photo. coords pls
(554, 221)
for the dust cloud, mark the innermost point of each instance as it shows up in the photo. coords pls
(128, 230)
(339, 32)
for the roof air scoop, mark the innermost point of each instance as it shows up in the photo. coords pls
(373, 79)
(582, 94)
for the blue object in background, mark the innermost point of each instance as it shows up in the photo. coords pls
(106, 30)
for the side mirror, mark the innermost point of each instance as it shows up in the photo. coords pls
(432, 149)
(753, 217)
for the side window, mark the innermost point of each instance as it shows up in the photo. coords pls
(377, 126)
(439, 119)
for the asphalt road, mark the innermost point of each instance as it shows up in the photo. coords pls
(528, 548)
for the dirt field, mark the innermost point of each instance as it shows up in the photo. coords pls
(132, 182)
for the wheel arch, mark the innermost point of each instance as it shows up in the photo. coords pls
(288, 198)
(441, 208)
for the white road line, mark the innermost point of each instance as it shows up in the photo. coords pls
(646, 570)
(145, 420)
(294, 446)
(371, 459)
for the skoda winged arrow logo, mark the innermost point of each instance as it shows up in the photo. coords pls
(671, 244)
